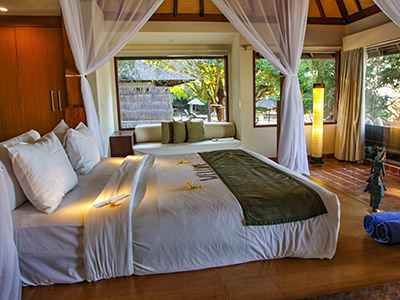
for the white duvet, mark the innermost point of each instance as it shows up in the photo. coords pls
(174, 229)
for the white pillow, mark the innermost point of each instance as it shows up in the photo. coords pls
(43, 171)
(61, 130)
(17, 196)
(82, 149)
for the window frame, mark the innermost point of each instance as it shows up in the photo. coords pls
(224, 57)
(305, 55)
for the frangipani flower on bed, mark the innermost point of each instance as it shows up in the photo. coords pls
(181, 162)
(189, 186)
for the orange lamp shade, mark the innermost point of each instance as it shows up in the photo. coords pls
(318, 121)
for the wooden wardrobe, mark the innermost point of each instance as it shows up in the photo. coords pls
(32, 75)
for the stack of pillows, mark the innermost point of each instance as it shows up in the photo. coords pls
(180, 132)
(45, 168)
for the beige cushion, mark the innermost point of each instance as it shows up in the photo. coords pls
(148, 133)
(167, 132)
(179, 132)
(17, 196)
(219, 130)
(195, 131)
(43, 171)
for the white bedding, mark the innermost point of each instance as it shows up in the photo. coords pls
(50, 246)
(173, 229)
(178, 230)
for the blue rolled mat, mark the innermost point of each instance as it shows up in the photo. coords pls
(370, 221)
(388, 232)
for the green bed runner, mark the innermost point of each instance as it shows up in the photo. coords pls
(267, 195)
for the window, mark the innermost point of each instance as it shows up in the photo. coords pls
(314, 68)
(382, 98)
(152, 90)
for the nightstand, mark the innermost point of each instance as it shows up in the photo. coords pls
(121, 143)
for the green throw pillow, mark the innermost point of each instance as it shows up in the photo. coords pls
(166, 132)
(195, 131)
(179, 130)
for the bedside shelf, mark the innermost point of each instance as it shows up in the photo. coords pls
(121, 143)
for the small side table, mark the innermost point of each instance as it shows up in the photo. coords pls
(121, 143)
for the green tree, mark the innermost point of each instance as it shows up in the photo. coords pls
(383, 71)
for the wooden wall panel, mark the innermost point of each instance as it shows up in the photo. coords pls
(10, 105)
(40, 71)
(73, 84)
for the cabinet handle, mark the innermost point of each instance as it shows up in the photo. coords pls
(52, 100)
(59, 100)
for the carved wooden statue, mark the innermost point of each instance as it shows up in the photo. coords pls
(375, 186)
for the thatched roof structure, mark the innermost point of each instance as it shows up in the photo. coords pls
(144, 72)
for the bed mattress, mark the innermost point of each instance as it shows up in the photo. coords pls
(50, 246)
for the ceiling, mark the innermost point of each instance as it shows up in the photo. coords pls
(320, 11)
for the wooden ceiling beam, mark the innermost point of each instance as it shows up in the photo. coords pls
(175, 8)
(358, 5)
(329, 21)
(188, 18)
(321, 9)
(343, 10)
(201, 4)
(364, 13)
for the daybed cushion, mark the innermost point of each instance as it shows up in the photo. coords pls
(206, 145)
(82, 149)
(166, 132)
(148, 133)
(195, 131)
(152, 132)
(44, 171)
(214, 130)
(179, 132)
(17, 196)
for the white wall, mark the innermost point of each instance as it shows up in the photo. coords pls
(104, 92)
(379, 34)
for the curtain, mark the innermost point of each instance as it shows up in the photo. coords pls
(10, 279)
(276, 29)
(350, 130)
(97, 30)
(391, 8)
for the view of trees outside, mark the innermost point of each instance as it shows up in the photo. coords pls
(382, 91)
(207, 84)
(311, 71)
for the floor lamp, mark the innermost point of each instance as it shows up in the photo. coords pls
(318, 123)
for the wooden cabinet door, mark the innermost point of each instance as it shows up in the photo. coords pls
(40, 76)
(11, 118)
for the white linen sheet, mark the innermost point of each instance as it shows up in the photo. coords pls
(50, 247)
(179, 230)
(108, 229)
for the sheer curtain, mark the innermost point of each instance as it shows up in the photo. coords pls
(10, 278)
(391, 8)
(97, 30)
(350, 130)
(276, 29)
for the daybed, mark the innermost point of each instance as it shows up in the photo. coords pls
(218, 136)
(178, 215)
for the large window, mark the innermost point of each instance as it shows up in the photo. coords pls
(314, 68)
(382, 98)
(152, 90)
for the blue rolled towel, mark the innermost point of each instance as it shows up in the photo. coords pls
(388, 232)
(370, 221)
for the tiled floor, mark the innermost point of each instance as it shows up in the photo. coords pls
(351, 178)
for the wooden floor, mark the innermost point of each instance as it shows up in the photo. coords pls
(359, 262)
